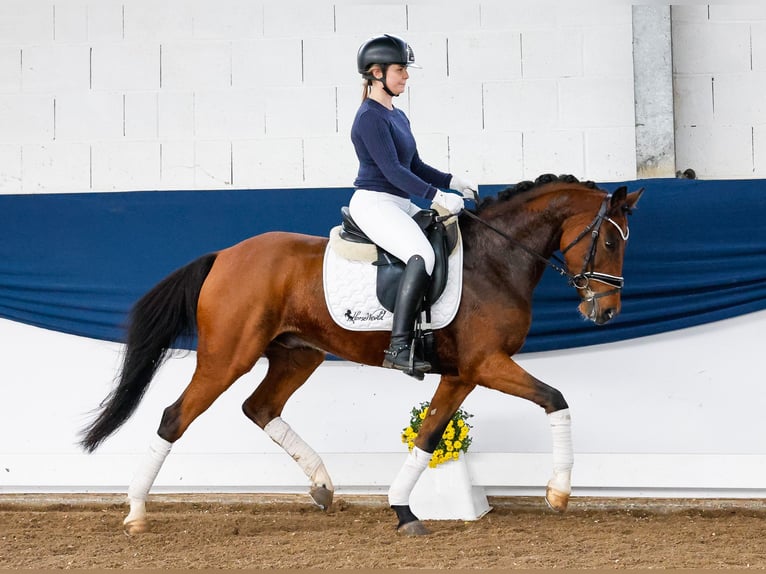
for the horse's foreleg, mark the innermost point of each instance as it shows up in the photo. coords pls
(503, 374)
(288, 369)
(448, 397)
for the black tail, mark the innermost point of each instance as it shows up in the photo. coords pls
(157, 320)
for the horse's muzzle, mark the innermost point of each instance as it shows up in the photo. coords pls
(596, 308)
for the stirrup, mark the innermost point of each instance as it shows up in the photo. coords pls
(411, 366)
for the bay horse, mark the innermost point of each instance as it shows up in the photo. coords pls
(264, 297)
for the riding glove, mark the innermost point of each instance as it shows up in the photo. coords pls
(450, 201)
(466, 188)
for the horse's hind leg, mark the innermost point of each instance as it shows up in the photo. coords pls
(213, 375)
(288, 369)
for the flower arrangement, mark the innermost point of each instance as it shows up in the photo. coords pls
(454, 440)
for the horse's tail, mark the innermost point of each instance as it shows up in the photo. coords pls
(157, 320)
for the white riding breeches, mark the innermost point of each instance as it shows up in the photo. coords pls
(387, 221)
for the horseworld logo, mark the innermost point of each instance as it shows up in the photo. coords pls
(354, 316)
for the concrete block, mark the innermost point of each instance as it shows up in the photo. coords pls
(141, 115)
(177, 165)
(175, 115)
(89, 116)
(227, 19)
(547, 55)
(158, 20)
(270, 62)
(433, 149)
(268, 163)
(105, 21)
(390, 18)
(738, 99)
(607, 51)
(70, 22)
(298, 19)
(432, 53)
(700, 48)
(484, 56)
(517, 16)
(56, 167)
(743, 12)
(301, 112)
(487, 158)
(195, 65)
(585, 14)
(610, 154)
(689, 13)
(126, 66)
(55, 68)
(10, 69)
(348, 100)
(125, 166)
(459, 107)
(520, 105)
(447, 17)
(24, 23)
(758, 48)
(212, 164)
(715, 151)
(10, 168)
(228, 114)
(26, 118)
(329, 161)
(693, 100)
(553, 151)
(596, 102)
(329, 60)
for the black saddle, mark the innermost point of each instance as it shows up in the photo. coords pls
(443, 239)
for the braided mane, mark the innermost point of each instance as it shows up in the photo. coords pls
(527, 185)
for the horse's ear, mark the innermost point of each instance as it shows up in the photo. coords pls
(618, 195)
(632, 199)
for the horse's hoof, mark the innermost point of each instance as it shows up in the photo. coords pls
(322, 496)
(134, 527)
(414, 528)
(556, 499)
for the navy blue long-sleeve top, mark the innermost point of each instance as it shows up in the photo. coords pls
(388, 155)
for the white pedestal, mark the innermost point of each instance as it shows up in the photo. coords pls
(446, 493)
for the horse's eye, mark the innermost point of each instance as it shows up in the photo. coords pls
(609, 244)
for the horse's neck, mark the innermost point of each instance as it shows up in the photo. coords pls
(528, 221)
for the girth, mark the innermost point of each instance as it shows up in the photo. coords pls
(443, 239)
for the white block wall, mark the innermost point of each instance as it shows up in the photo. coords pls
(166, 94)
(719, 57)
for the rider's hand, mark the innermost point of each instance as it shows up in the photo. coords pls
(450, 201)
(465, 187)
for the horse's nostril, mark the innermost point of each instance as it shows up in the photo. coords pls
(609, 314)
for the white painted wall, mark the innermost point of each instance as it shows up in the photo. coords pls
(206, 94)
(676, 414)
(719, 56)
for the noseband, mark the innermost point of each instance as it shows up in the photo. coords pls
(580, 281)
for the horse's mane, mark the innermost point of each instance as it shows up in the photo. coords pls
(527, 185)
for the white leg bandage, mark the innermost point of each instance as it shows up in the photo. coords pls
(563, 457)
(311, 463)
(416, 463)
(142, 481)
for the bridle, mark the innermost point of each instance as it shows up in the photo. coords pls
(580, 281)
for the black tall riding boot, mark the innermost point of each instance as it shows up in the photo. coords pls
(412, 287)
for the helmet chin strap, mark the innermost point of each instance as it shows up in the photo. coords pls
(384, 69)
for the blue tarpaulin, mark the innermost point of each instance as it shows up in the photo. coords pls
(76, 263)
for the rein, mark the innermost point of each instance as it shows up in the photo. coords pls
(580, 280)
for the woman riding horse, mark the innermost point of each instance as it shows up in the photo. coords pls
(241, 313)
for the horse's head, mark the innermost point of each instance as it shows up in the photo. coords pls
(593, 245)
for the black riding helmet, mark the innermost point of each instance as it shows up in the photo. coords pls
(384, 50)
